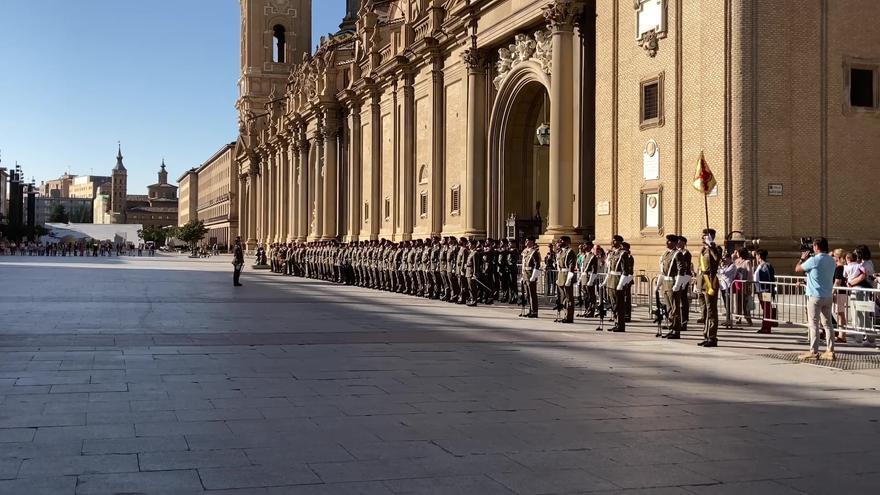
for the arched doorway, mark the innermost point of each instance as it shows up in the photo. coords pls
(518, 163)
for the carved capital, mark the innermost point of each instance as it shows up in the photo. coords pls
(472, 58)
(562, 14)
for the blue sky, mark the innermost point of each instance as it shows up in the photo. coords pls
(76, 76)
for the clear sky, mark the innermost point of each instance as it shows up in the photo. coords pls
(76, 76)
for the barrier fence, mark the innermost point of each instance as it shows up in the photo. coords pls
(856, 310)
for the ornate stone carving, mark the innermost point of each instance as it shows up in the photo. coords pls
(525, 47)
(537, 47)
(472, 58)
(544, 50)
(650, 42)
(561, 14)
(650, 24)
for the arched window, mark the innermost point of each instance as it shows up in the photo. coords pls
(278, 44)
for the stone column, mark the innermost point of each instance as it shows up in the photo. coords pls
(270, 198)
(252, 209)
(265, 204)
(475, 185)
(376, 166)
(319, 184)
(561, 15)
(330, 228)
(408, 161)
(284, 194)
(302, 187)
(355, 209)
(438, 194)
(292, 160)
(240, 200)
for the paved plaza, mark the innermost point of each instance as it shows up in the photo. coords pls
(158, 376)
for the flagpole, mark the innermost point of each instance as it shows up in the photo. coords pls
(706, 203)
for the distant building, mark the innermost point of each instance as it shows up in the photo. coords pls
(88, 186)
(206, 194)
(113, 204)
(57, 188)
(78, 210)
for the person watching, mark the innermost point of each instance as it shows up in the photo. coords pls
(819, 269)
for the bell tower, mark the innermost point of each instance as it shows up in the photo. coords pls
(118, 190)
(275, 34)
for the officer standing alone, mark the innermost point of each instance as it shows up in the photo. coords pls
(237, 262)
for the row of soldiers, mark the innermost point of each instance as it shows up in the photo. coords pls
(601, 281)
(463, 271)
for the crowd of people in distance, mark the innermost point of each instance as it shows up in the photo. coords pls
(79, 248)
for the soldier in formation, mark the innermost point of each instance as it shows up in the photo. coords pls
(461, 271)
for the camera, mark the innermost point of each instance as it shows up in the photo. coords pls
(806, 245)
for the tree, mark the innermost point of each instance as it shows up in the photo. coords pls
(80, 214)
(58, 214)
(155, 234)
(191, 233)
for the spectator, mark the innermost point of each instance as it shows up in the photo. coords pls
(726, 275)
(742, 288)
(819, 269)
(841, 298)
(765, 280)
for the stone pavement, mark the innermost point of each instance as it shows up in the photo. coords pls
(157, 376)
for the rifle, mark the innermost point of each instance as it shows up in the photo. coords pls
(658, 314)
(601, 308)
(558, 303)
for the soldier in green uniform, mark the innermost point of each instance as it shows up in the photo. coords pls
(710, 259)
(531, 262)
(566, 268)
(463, 254)
(666, 283)
(620, 271)
(682, 283)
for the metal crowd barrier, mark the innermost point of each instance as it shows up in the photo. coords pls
(854, 311)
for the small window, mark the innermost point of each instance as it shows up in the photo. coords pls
(861, 88)
(278, 44)
(651, 102)
(366, 211)
(387, 208)
(423, 204)
(455, 200)
(423, 174)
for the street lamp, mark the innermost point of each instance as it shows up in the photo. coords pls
(543, 130)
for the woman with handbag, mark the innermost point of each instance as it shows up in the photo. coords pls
(765, 279)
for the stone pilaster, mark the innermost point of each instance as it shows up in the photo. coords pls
(318, 228)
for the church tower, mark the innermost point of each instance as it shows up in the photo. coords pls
(118, 190)
(275, 34)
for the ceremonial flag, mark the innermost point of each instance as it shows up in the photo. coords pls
(704, 181)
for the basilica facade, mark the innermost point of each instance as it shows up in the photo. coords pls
(559, 117)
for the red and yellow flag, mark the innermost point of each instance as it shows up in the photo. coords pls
(704, 180)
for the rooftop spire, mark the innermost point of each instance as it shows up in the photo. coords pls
(119, 165)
